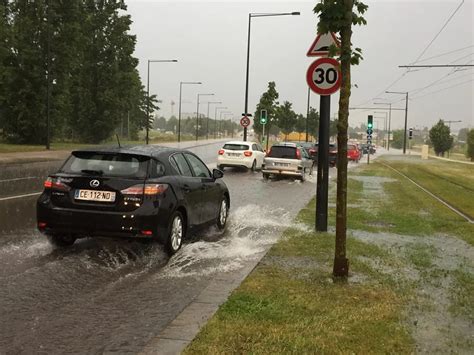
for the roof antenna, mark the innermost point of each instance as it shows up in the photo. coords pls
(118, 140)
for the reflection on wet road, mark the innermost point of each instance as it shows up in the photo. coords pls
(106, 295)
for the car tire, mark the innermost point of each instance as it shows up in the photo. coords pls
(254, 166)
(61, 241)
(303, 177)
(176, 232)
(223, 213)
(266, 176)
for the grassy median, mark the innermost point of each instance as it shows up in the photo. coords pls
(410, 271)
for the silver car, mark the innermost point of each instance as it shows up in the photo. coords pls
(287, 159)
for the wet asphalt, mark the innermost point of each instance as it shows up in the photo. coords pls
(107, 295)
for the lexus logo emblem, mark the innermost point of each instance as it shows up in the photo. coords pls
(94, 183)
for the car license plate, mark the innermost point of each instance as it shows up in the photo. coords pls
(282, 164)
(233, 154)
(93, 195)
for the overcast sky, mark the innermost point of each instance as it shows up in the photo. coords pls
(209, 40)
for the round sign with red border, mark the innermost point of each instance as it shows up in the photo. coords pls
(324, 76)
(245, 121)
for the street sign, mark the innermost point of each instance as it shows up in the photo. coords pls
(320, 46)
(324, 76)
(245, 121)
(263, 117)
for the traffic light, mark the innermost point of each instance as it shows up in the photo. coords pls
(410, 133)
(370, 122)
(263, 116)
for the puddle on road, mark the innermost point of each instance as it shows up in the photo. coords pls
(250, 232)
(434, 326)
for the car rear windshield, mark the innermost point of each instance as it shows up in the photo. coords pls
(236, 147)
(107, 164)
(283, 152)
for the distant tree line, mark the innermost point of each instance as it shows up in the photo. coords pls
(207, 126)
(82, 51)
(282, 118)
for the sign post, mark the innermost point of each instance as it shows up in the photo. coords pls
(263, 122)
(324, 78)
(370, 125)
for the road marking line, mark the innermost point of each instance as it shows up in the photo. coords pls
(20, 196)
(23, 178)
(454, 209)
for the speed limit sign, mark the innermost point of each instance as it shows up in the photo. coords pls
(324, 76)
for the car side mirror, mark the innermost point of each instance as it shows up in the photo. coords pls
(217, 174)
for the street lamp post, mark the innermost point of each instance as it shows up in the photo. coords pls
(148, 92)
(207, 124)
(197, 113)
(215, 119)
(181, 83)
(384, 122)
(406, 116)
(246, 113)
(389, 119)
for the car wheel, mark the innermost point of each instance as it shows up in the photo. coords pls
(176, 232)
(223, 214)
(61, 240)
(266, 176)
(303, 177)
(254, 166)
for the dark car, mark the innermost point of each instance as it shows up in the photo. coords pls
(332, 154)
(367, 148)
(141, 192)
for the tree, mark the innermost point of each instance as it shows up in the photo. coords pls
(470, 145)
(268, 101)
(440, 137)
(462, 134)
(313, 122)
(397, 141)
(338, 16)
(286, 118)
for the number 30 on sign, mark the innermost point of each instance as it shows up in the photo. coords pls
(324, 76)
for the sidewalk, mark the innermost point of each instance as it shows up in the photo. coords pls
(49, 155)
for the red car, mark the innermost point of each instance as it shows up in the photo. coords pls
(353, 153)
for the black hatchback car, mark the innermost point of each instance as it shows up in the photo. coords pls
(141, 192)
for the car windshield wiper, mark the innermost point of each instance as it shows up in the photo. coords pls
(92, 172)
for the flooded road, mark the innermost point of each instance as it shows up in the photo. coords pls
(104, 295)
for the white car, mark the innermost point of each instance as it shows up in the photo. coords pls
(242, 154)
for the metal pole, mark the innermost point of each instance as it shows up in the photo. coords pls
(215, 123)
(197, 119)
(179, 111)
(323, 165)
(307, 115)
(406, 121)
(147, 101)
(389, 123)
(48, 89)
(207, 124)
(247, 79)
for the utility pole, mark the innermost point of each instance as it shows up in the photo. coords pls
(48, 65)
(406, 116)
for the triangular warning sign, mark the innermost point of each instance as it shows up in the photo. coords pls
(321, 44)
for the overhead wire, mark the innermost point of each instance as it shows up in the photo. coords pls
(407, 70)
(447, 88)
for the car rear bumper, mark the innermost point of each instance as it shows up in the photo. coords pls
(228, 162)
(146, 221)
(282, 172)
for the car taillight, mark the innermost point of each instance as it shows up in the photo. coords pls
(147, 189)
(248, 153)
(312, 150)
(221, 152)
(55, 184)
(298, 154)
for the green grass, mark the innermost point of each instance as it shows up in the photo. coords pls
(453, 182)
(290, 304)
(155, 138)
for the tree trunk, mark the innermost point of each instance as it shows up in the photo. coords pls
(341, 263)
